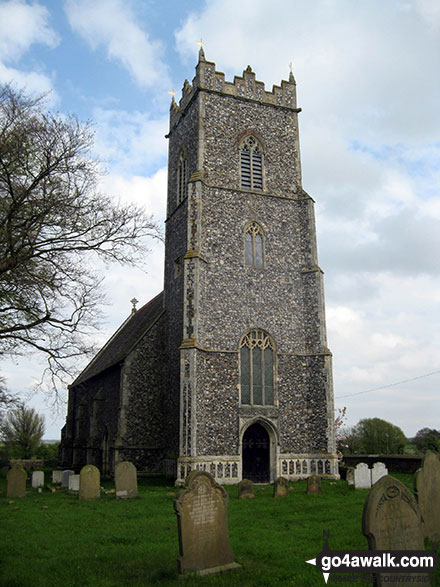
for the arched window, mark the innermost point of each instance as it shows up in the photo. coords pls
(251, 164)
(253, 246)
(181, 179)
(257, 367)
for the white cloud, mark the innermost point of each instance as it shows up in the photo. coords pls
(112, 24)
(21, 26)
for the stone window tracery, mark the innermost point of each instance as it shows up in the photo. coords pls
(181, 178)
(257, 366)
(253, 246)
(251, 164)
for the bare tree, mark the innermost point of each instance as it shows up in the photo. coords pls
(22, 431)
(53, 223)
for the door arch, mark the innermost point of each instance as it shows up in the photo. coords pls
(256, 454)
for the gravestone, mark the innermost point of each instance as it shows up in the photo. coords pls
(16, 481)
(65, 477)
(125, 480)
(391, 520)
(314, 484)
(89, 483)
(350, 476)
(379, 470)
(427, 490)
(37, 479)
(202, 519)
(73, 483)
(362, 476)
(57, 476)
(281, 487)
(246, 489)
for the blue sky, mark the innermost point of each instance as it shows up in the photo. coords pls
(368, 82)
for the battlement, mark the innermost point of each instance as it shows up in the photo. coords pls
(244, 87)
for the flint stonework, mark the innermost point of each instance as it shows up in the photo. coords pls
(125, 480)
(16, 481)
(391, 520)
(89, 483)
(427, 490)
(202, 520)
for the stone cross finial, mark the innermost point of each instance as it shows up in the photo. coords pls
(291, 76)
(201, 51)
(134, 301)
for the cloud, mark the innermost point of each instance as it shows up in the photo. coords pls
(21, 26)
(112, 25)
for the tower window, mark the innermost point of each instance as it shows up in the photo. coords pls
(181, 179)
(251, 163)
(257, 369)
(253, 245)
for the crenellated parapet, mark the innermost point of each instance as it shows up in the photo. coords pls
(245, 87)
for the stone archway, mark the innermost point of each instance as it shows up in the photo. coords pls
(256, 454)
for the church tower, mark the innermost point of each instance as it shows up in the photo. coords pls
(249, 386)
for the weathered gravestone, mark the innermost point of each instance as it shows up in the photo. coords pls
(391, 520)
(281, 487)
(65, 477)
(89, 483)
(314, 484)
(16, 481)
(378, 471)
(37, 479)
(74, 483)
(362, 476)
(125, 480)
(57, 476)
(350, 476)
(246, 489)
(427, 490)
(202, 520)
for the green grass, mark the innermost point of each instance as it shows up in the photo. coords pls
(54, 539)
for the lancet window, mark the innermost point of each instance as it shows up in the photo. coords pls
(257, 368)
(251, 164)
(253, 246)
(181, 179)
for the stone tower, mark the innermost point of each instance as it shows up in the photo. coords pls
(249, 384)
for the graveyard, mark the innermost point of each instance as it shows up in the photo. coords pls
(55, 538)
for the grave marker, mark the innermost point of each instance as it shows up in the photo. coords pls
(379, 470)
(362, 476)
(74, 483)
(391, 520)
(37, 479)
(65, 477)
(246, 489)
(125, 480)
(427, 490)
(314, 484)
(57, 476)
(89, 483)
(281, 487)
(202, 519)
(16, 481)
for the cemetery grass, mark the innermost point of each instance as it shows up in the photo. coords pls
(50, 539)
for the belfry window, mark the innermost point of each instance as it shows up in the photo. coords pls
(181, 179)
(253, 245)
(257, 369)
(251, 164)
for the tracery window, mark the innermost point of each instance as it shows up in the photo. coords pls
(257, 366)
(253, 246)
(181, 179)
(251, 164)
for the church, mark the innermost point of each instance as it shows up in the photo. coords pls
(227, 370)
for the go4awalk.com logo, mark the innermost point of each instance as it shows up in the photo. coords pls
(413, 566)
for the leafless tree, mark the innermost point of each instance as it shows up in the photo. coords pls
(53, 223)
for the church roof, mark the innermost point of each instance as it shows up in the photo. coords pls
(124, 339)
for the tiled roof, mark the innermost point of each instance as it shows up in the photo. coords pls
(124, 339)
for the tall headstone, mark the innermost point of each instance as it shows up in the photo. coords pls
(65, 477)
(427, 490)
(202, 520)
(281, 487)
(125, 480)
(89, 483)
(246, 489)
(379, 470)
(362, 476)
(57, 476)
(16, 481)
(37, 479)
(391, 520)
(74, 483)
(314, 484)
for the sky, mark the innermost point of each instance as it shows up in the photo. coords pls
(368, 83)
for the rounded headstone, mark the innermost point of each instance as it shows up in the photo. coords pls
(89, 483)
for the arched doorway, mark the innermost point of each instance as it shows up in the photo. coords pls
(256, 454)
